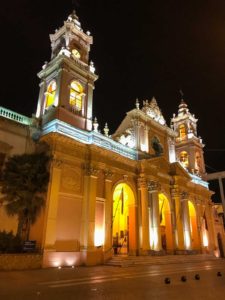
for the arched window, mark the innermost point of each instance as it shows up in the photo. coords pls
(76, 93)
(184, 158)
(182, 131)
(50, 94)
(198, 165)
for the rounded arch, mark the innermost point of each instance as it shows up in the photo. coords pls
(50, 93)
(76, 96)
(124, 235)
(193, 225)
(165, 222)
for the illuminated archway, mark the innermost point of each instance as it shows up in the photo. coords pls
(76, 94)
(193, 226)
(124, 220)
(165, 223)
(50, 94)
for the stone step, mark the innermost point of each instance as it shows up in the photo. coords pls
(122, 260)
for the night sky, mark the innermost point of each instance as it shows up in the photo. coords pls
(141, 49)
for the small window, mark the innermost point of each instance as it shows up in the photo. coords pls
(76, 93)
(198, 163)
(50, 94)
(182, 131)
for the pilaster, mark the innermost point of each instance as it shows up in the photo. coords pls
(88, 208)
(142, 186)
(177, 219)
(108, 211)
(155, 241)
(52, 207)
(186, 221)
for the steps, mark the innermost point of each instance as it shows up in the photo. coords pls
(129, 261)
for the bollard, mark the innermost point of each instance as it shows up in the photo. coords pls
(219, 274)
(183, 278)
(167, 280)
(197, 277)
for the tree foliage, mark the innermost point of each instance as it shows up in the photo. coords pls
(24, 184)
(9, 243)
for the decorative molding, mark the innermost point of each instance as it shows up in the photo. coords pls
(184, 195)
(153, 186)
(174, 192)
(108, 174)
(57, 163)
(90, 170)
(71, 179)
(125, 177)
(86, 137)
(142, 182)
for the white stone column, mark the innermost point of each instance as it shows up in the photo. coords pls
(41, 99)
(155, 240)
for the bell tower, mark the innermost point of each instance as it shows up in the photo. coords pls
(189, 147)
(67, 81)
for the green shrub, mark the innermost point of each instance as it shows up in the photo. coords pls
(9, 243)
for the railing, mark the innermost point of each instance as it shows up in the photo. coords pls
(11, 115)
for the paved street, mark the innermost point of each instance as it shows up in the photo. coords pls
(107, 282)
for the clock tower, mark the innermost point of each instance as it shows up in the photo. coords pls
(67, 81)
(189, 147)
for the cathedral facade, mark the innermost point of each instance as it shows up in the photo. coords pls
(137, 192)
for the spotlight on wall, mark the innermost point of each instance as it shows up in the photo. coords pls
(72, 267)
(59, 267)
(183, 278)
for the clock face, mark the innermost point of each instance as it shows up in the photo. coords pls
(76, 53)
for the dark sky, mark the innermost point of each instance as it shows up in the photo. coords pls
(141, 49)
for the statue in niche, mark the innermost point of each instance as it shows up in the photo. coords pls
(157, 146)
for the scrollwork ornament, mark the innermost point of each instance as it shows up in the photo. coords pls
(153, 186)
(142, 182)
(57, 163)
(108, 174)
(184, 195)
(90, 170)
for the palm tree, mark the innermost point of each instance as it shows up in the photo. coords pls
(24, 184)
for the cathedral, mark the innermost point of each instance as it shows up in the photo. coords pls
(139, 191)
